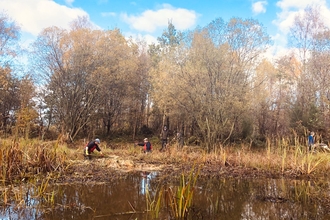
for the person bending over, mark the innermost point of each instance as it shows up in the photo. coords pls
(91, 146)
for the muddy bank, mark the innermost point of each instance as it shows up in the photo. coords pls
(110, 167)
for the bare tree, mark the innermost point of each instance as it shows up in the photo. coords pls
(65, 61)
(307, 35)
(9, 36)
(9, 85)
(210, 78)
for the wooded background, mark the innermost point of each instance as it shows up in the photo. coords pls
(213, 84)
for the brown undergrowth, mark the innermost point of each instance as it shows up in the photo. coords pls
(231, 161)
(41, 164)
(27, 158)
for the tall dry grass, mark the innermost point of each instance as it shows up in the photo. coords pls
(20, 160)
(24, 160)
(31, 161)
(278, 156)
(178, 199)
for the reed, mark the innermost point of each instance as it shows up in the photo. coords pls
(284, 156)
(154, 204)
(4, 196)
(180, 199)
(313, 162)
(177, 199)
(41, 191)
(297, 153)
(19, 195)
(302, 191)
(25, 161)
(223, 155)
(268, 144)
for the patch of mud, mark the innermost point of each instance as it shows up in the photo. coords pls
(113, 167)
(105, 169)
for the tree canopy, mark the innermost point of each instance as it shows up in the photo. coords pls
(213, 84)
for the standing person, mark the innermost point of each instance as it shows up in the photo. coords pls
(146, 145)
(163, 137)
(311, 141)
(91, 146)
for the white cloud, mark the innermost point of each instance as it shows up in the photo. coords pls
(278, 49)
(285, 20)
(69, 2)
(149, 39)
(259, 7)
(35, 15)
(291, 8)
(152, 20)
(325, 12)
(108, 14)
(298, 4)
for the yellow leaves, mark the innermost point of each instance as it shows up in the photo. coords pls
(26, 116)
(4, 78)
(26, 90)
(264, 79)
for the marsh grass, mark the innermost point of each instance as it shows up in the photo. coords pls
(283, 157)
(178, 199)
(284, 154)
(154, 203)
(277, 156)
(314, 162)
(24, 160)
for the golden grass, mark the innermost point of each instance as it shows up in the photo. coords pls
(24, 160)
(277, 157)
(29, 157)
(178, 198)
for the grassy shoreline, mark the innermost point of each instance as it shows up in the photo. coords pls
(26, 158)
(32, 167)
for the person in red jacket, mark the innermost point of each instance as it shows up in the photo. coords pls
(91, 146)
(146, 145)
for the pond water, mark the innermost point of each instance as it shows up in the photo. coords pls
(126, 198)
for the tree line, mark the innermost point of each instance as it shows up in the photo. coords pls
(213, 83)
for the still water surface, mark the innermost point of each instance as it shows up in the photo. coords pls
(225, 199)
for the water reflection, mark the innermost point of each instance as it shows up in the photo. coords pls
(145, 181)
(213, 199)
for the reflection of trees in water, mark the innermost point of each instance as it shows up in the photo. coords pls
(107, 198)
(255, 199)
(219, 199)
(213, 199)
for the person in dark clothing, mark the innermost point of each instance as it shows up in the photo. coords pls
(163, 137)
(91, 146)
(146, 145)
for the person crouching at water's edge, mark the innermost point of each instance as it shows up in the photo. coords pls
(91, 146)
(146, 145)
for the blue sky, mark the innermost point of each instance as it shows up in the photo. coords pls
(147, 19)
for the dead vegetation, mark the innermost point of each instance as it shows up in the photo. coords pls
(41, 164)
(25, 159)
